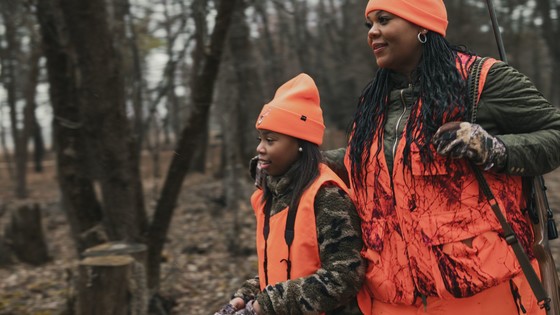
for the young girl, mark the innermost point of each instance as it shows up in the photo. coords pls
(308, 231)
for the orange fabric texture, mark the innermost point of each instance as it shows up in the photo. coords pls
(305, 249)
(429, 231)
(497, 300)
(429, 14)
(295, 111)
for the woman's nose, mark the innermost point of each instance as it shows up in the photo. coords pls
(373, 31)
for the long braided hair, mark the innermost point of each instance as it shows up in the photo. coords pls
(443, 95)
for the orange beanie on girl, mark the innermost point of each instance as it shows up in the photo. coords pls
(295, 111)
(429, 14)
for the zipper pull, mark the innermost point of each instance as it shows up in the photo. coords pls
(424, 302)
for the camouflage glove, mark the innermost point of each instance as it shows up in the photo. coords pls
(462, 139)
(256, 173)
(228, 309)
(248, 310)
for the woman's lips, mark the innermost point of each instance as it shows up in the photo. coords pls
(377, 48)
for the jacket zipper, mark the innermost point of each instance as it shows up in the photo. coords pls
(394, 150)
(403, 101)
(398, 124)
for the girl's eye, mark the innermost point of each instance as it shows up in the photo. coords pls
(368, 25)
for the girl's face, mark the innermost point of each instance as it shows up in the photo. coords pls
(277, 152)
(394, 41)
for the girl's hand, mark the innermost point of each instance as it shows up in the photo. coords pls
(257, 308)
(251, 308)
(237, 303)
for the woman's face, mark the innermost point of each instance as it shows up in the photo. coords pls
(394, 41)
(277, 152)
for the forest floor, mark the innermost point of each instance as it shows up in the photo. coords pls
(199, 273)
(205, 258)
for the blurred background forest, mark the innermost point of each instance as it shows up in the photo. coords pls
(126, 127)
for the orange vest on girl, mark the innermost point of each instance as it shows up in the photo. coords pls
(429, 231)
(304, 251)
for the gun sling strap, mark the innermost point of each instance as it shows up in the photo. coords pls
(509, 234)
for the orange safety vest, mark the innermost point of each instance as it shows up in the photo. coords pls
(304, 251)
(429, 232)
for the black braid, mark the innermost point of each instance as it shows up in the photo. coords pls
(443, 95)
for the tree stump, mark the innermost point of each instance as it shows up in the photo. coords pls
(6, 254)
(136, 251)
(24, 234)
(112, 280)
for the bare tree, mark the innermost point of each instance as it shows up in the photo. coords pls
(106, 128)
(20, 82)
(76, 185)
(551, 32)
(248, 83)
(88, 96)
(202, 90)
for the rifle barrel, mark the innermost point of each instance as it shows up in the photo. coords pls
(496, 29)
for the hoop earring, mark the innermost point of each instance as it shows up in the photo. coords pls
(300, 149)
(422, 38)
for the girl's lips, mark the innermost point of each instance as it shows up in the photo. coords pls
(263, 164)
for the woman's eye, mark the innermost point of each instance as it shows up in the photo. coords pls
(383, 20)
(368, 25)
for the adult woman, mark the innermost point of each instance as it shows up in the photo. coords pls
(308, 231)
(431, 240)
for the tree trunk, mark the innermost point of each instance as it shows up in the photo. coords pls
(7, 155)
(106, 127)
(38, 145)
(202, 90)
(11, 78)
(6, 254)
(78, 196)
(250, 91)
(24, 234)
(551, 33)
(29, 121)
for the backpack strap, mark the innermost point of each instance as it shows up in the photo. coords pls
(475, 82)
(476, 77)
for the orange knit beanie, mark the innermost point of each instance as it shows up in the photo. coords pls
(429, 14)
(295, 111)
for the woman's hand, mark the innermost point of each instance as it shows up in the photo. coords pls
(462, 139)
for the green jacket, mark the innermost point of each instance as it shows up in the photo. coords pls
(510, 108)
